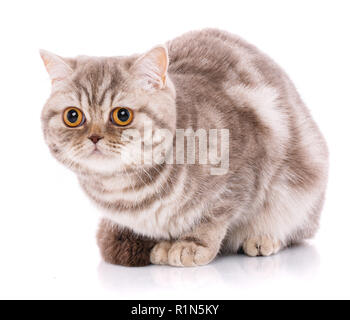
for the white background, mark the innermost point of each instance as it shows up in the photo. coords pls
(47, 247)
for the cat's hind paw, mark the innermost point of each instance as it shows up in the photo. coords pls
(261, 246)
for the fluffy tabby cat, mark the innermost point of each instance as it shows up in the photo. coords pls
(181, 214)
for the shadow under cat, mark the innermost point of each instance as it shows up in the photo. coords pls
(298, 261)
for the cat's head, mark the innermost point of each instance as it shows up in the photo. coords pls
(98, 105)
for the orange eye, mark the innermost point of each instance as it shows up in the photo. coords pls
(121, 116)
(73, 117)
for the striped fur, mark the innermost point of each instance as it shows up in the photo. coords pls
(272, 194)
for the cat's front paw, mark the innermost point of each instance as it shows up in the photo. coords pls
(261, 246)
(182, 254)
(159, 253)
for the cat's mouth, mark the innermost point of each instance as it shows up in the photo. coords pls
(96, 152)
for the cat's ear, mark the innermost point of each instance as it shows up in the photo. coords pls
(151, 68)
(56, 67)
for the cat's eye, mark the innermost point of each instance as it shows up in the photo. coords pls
(121, 116)
(73, 117)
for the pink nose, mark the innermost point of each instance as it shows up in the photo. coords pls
(95, 138)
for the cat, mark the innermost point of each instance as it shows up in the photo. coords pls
(272, 191)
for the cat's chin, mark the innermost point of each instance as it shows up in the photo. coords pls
(101, 163)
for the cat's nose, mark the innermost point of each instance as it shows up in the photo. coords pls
(95, 138)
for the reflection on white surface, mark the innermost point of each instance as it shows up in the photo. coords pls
(236, 271)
